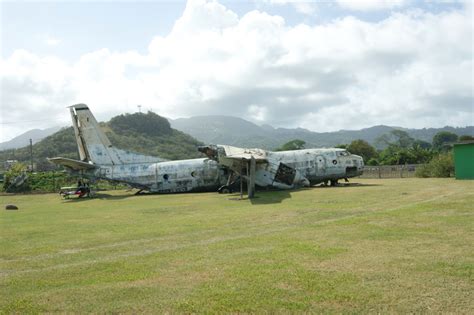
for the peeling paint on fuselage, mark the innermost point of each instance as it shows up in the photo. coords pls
(167, 177)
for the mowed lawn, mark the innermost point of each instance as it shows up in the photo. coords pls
(396, 245)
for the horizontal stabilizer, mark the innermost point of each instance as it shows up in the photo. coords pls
(72, 164)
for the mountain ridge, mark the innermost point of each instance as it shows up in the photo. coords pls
(231, 130)
(23, 139)
(266, 136)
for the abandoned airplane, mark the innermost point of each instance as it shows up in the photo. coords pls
(99, 159)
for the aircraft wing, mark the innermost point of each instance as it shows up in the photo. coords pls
(72, 164)
(235, 153)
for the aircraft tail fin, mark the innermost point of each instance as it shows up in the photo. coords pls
(93, 144)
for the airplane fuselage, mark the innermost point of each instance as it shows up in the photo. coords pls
(166, 177)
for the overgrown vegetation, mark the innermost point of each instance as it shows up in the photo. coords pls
(49, 181)
(442, 165)
(9, 178)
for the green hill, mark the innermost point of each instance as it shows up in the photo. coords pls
(147, 133)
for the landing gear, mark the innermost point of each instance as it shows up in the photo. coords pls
(229, 187)
(331, 182)
(225, 190)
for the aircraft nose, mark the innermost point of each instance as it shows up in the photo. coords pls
(360, 159)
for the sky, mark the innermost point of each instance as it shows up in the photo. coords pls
(319, 65)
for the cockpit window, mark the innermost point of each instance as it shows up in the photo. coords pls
(343, 153)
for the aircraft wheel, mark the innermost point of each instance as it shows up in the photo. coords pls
(224, 190)
(334, 182)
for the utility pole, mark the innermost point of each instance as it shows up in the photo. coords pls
(242, 179)
(139, 108)
(31, 155)
(251, 178)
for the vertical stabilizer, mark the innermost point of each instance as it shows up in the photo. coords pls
(93, 144)
(83, 154)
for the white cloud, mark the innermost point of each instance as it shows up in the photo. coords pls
(412, 69)
(257, 112)
(306, 7)
(371, 5)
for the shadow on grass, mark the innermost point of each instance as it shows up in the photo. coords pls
(101, 196)
(263, 196)
(277, 196)
(271, 196)
(345, 185)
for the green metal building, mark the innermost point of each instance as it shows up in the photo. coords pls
(464, 160)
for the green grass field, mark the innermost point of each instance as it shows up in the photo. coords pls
(397, 245)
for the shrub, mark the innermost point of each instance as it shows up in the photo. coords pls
(9, 180)
(48, 181)
(441, 165)
(423, 171)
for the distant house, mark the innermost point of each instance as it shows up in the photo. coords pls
(9, 163)
(464, 160)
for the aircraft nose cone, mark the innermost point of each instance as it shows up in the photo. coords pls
(360, 160)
